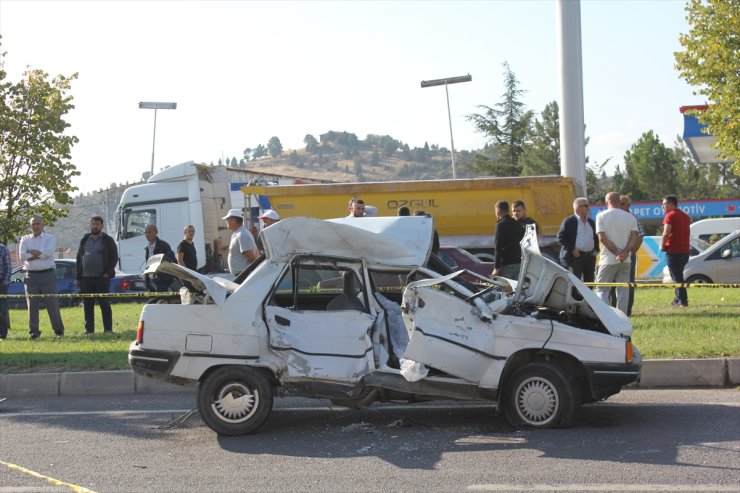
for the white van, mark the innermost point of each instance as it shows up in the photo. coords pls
(715, 228)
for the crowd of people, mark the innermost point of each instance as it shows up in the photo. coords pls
(614, 237)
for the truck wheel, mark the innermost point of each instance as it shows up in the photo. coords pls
(541, 395)
(234, 401)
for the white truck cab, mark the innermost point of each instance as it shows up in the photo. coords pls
(185, 194)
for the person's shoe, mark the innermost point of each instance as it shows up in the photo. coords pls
(58, 334)
(108, 331)
(675, 303)
(36, 336)
(89, 332)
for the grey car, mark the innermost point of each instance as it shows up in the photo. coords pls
(720, 263)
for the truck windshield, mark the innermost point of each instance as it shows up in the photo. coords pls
(134, 222)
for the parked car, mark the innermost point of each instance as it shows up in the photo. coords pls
(715, 228)
(457, 258)
(66, 273)
(720, 263)
(538, 353)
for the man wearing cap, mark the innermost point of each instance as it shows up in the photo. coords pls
(269, 217)
(242, 249)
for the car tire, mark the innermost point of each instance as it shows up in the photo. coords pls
(698, 279)
(541, 395)
(234, 401)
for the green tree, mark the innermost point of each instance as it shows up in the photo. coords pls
(259, 151)
(35, 168)
(274, 147)
(375, 159)
(311, 143)
(507, 127)
(651, 168)
(710, 62)
(542, 155)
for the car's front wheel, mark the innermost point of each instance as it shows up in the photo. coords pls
(698, 279)
(234, 401)
(541, 395)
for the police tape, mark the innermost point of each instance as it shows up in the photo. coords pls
(170, 294)
(659, 285)
(147, 294)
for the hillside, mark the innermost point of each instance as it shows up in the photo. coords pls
(339, 157)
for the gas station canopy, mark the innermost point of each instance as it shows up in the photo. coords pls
(698, 142)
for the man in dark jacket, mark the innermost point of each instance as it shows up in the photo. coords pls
(155, 246)
(509, 233)
(579, 243)
(97, 257)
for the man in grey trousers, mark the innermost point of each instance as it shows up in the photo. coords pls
(36, 250)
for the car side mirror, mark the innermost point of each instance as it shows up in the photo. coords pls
(727, 253)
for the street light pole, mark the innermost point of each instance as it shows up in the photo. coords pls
(446, 82)
(156, 106)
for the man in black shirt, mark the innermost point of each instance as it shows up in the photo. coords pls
(186, 254)
(519, 212)
(508, 235)
(97, 256)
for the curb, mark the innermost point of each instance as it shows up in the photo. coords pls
(716, 372)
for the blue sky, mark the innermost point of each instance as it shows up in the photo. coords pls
(244, 71)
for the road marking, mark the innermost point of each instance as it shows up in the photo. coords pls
(602, 487)
(55, 482)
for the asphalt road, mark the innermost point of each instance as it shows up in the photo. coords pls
(639, 440)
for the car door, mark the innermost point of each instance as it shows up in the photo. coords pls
(318, 320)
(450, 328)
(724, 264)
(66, 275)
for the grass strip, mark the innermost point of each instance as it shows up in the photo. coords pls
(708, 328)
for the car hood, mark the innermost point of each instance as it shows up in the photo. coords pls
(217, 288)
(395, 241)
(542, 282)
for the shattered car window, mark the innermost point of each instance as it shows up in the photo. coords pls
(320, 287)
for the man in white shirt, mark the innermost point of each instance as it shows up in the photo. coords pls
(617, 231)
(242, 248)
(37, 252)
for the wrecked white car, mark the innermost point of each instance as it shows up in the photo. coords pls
(344, 310)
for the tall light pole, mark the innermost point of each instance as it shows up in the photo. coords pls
(446, 82)
(156, 106)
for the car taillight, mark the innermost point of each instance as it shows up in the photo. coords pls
(123, 285)
(140, 332)
(628, 352)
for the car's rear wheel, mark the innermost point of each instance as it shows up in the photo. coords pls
(234, 401)
(698, 279)
(541, 395)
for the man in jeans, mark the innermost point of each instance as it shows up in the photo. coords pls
(96, 266)
(675, 243)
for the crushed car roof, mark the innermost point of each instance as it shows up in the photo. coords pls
(403, 241)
